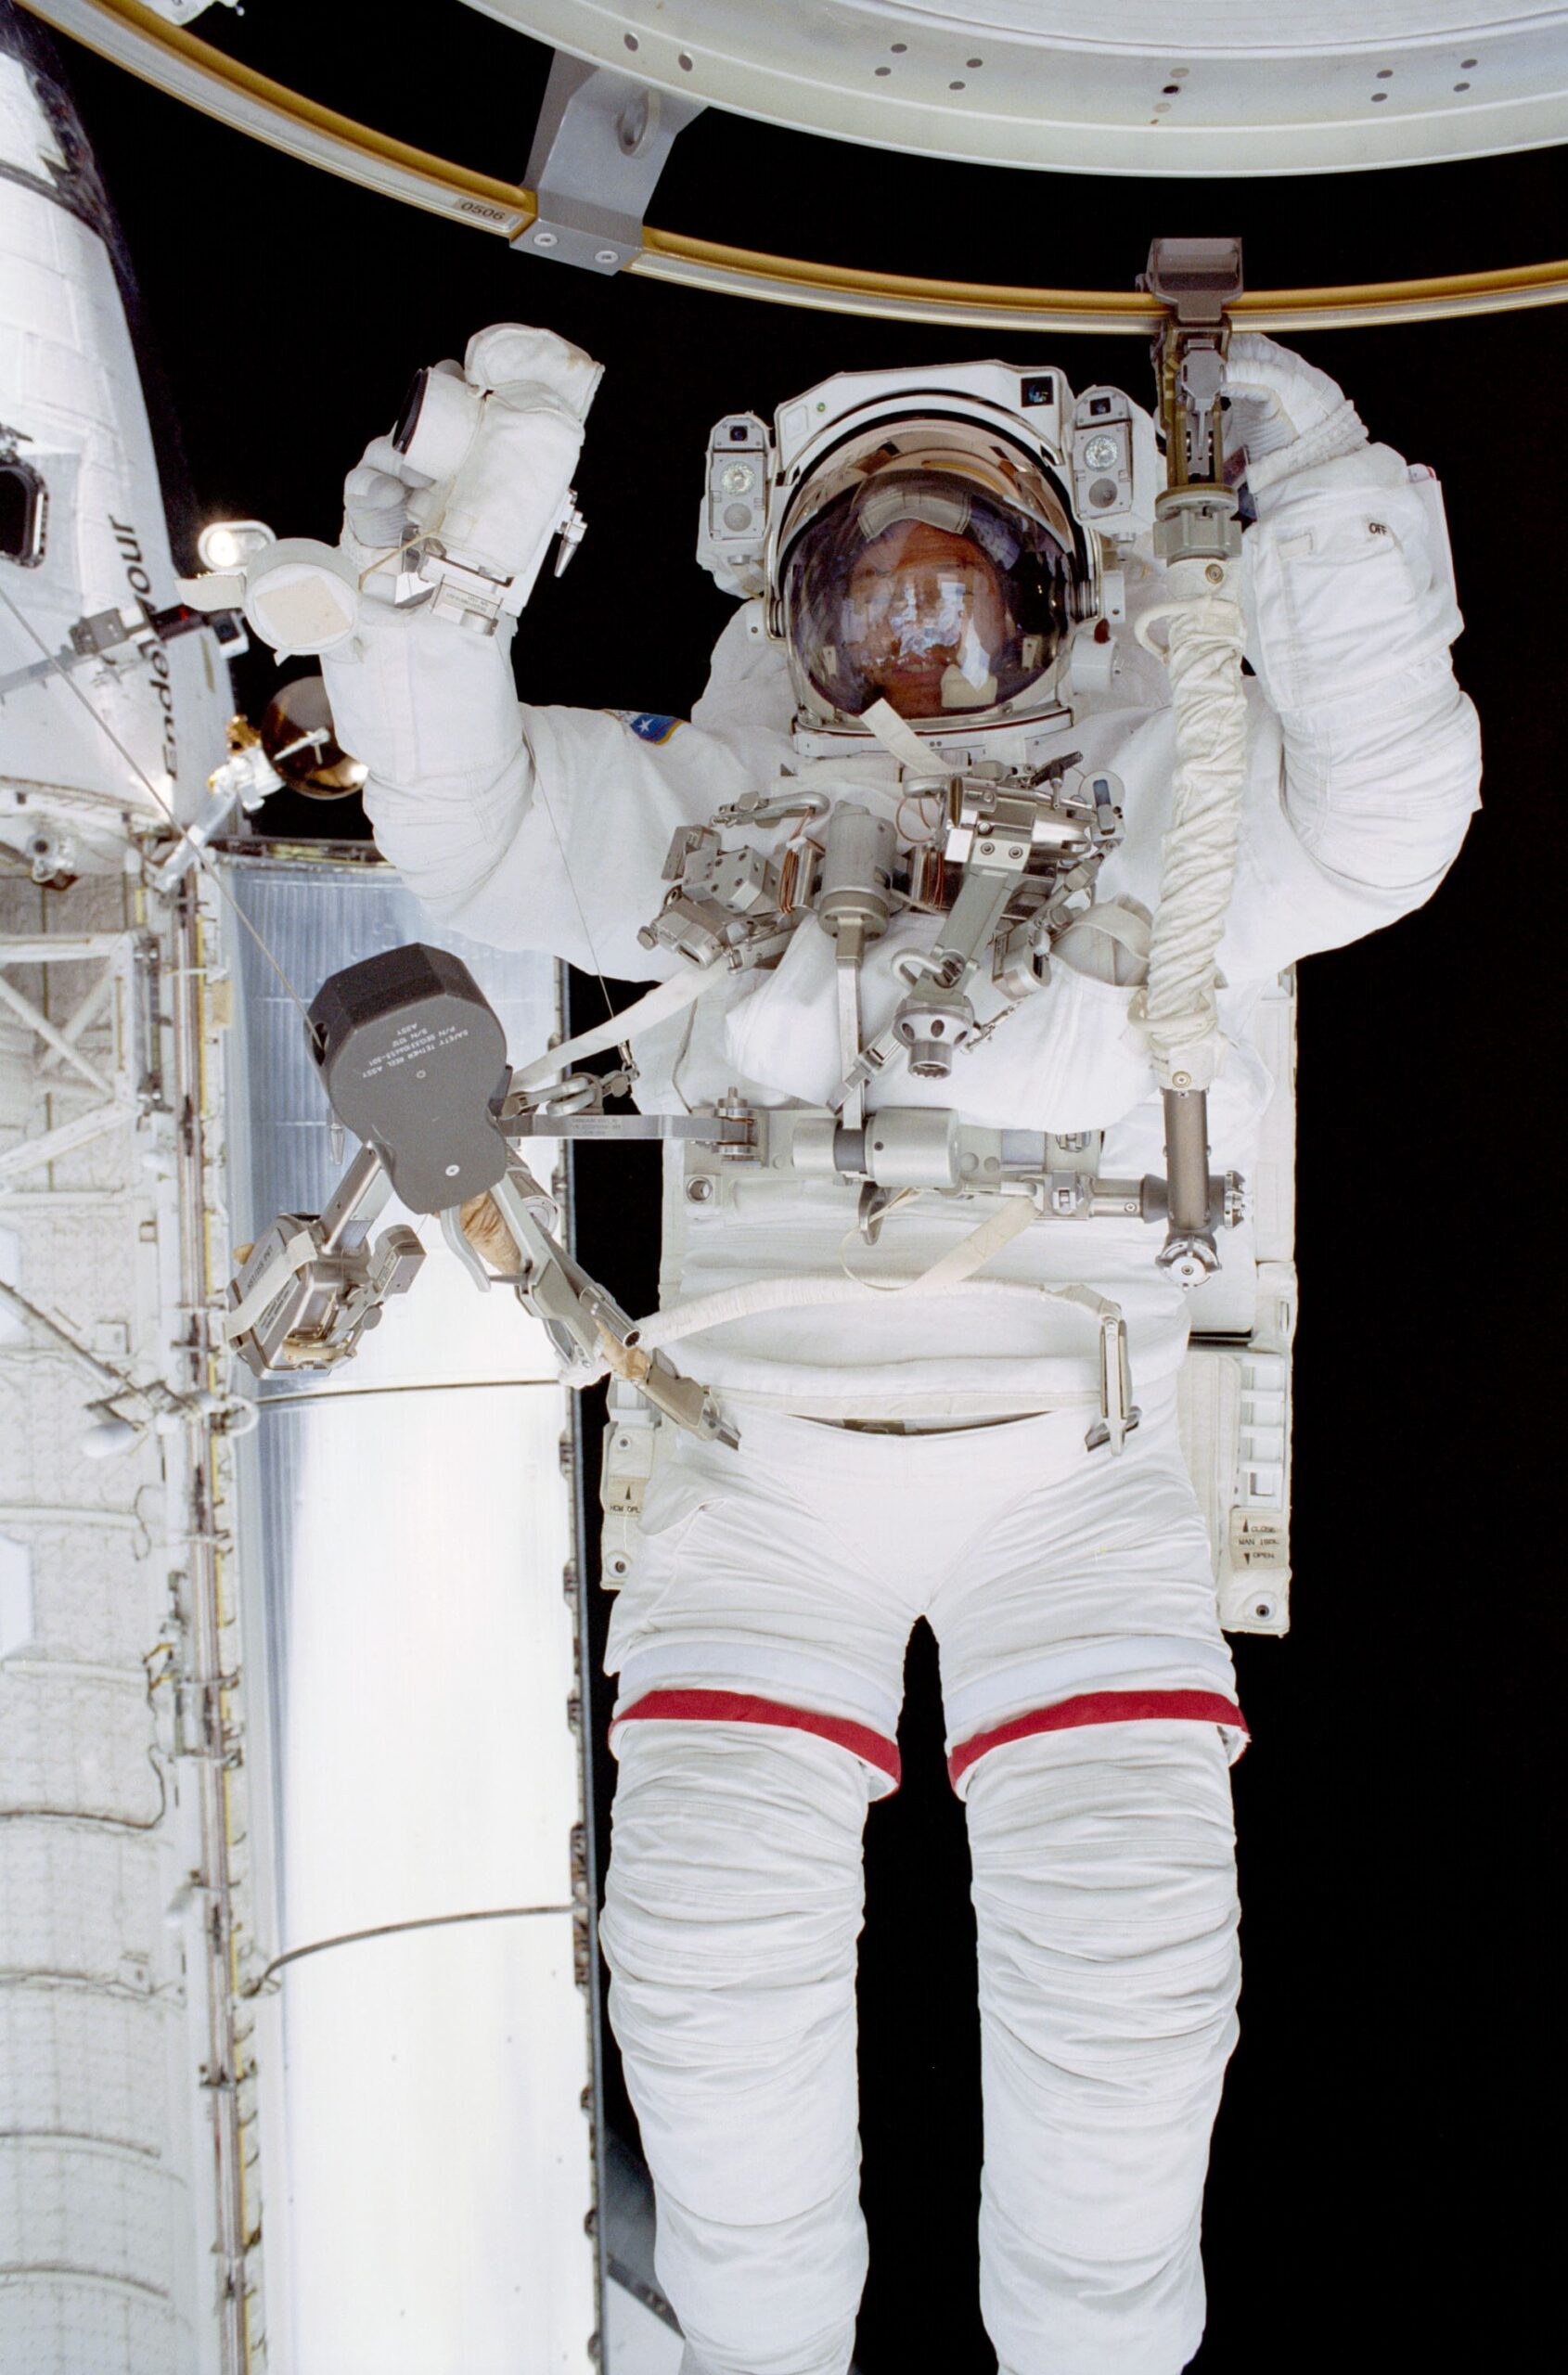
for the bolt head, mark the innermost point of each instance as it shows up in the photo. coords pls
(1215, 573)
(544, 239)
(699, 1190)
(1181, 1080)
(606, 255)
(452, 1169)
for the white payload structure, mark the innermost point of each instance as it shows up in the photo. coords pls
(422, 1969)
(294, 1924)
(124, 2206)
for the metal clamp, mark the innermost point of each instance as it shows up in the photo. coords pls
(587, 1326)
(598, 149)
(1197, 280)
(310, 1286)
(1118, 1412)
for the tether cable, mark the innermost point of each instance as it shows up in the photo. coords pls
(185, 67)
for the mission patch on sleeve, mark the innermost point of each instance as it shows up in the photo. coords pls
(649, 726)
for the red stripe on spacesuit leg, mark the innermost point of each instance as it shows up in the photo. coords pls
(1101, 1707)
(741, 1707)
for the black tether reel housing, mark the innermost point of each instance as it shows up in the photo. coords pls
(413, 1059)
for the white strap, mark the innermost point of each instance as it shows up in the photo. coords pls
(655, 1006)
(759, 1296)
(1121, 923)
(900, 741)
(1011, 1219)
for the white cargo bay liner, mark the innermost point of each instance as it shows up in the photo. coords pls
(424, 2045)
(1187, 88)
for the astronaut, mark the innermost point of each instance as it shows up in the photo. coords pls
(937, 594)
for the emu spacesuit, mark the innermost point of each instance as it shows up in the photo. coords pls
(934, 559)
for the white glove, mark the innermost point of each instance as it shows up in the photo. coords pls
(491, 452)
(508, 355)
(491, 447)
(1286, 414)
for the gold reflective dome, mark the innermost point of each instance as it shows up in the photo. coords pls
(297, 738)
(935, 564)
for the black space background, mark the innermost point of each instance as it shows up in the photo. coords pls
(1384, 2180)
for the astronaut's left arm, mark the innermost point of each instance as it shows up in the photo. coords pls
(1349, 610)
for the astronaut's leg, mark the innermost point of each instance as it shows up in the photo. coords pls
(761, 1656)
(731, 1914)
(1091, 1713)
(1105, 1891)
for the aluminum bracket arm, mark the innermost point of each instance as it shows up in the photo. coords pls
(598, 149)
(708, 1129)
(587, 1327)
(928, 1147)
(310, 1286)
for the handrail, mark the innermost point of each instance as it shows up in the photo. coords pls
(836, 288)
(188, 68)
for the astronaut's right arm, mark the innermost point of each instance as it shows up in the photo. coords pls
(558, 849)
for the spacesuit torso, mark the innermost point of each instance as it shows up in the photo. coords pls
(1350, 818)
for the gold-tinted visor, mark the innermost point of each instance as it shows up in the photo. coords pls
(929, 567)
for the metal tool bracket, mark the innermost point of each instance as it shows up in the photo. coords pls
(598, 149)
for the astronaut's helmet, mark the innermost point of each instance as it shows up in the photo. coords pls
(927, 564)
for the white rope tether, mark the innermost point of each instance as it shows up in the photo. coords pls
(1202, 652)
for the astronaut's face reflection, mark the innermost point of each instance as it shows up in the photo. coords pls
(929, 620)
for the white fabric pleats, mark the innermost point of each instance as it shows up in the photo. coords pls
(1105, 1891)
(1109, 1970)
(729, 1924)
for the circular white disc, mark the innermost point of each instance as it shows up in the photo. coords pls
(1154, 87)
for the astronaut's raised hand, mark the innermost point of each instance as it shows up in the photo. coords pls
(454, 510)
(1286, 414)
(488, 450)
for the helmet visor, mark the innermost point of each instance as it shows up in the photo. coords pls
(930, 582)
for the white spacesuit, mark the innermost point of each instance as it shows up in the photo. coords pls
(953, 552)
